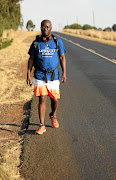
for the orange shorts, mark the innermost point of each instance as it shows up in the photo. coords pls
(51, 88)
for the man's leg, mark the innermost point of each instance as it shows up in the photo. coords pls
(54, 106)
(41, 111)
(42, 108)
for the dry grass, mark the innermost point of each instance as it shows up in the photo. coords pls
(99, 36)
(13, 90)
(9, 161)
(8, 34)
(13, 86)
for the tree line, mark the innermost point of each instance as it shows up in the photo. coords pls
(10, 15)
(86, 26)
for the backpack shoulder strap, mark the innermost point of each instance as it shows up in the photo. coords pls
(36, 44)
(38, 38)
(56, 41)
(36, 41)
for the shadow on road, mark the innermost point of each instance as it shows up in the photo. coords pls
(30, 132)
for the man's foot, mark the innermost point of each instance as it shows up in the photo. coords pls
(41, 129)
(55, 123)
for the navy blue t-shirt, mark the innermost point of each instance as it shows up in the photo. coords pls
(47, 58)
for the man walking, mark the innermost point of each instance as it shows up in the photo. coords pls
(44, 54)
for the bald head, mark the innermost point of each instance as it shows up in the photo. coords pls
(46, 21)
(46, 27)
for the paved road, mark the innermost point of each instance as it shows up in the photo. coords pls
(84, 146)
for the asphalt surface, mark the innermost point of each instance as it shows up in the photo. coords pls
(84, 146)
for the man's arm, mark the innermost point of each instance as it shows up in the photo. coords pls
(30, 65)
(63, 66)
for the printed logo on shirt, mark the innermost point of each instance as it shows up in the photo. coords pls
(47, 52)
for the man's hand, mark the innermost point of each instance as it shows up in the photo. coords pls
(30, 65)
(28, 78)
(29, 83)
(63, 78)
(63, 65)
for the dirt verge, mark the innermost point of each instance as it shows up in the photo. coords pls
(15, 103)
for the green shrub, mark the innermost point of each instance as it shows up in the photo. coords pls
(73, 26)
(86, 26)
(4, 44)
(66, 27)
(108, 29)
(1, 30)
(114, 27)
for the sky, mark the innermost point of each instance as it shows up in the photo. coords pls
(99, 13)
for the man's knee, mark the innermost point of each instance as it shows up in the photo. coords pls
(54, 101)
(42, 99)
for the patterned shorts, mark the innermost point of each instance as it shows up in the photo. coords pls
(51, 88)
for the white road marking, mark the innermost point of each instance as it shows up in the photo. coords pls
(90, 50)
(113, 59)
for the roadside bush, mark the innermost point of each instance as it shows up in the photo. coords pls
(66, 27)
(1, 30)
(73, 26)
(108, 29)
(114, 27)
(86, 26)
(4, 44)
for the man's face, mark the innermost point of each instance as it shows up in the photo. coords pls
(46, 28)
